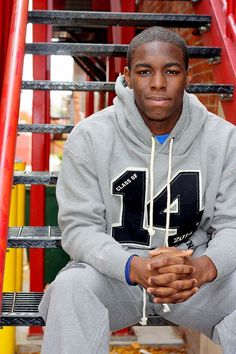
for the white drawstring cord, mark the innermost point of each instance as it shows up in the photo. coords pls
(168, 194)
(151, 231)
(166, 307)
(144, 319)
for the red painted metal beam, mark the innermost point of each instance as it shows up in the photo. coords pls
(5, 20)
(89, 106)
(122, 35)
(119, 35)
(9, 112)
(224, 72)
(58, 4)
(231, 20)
(40, 152)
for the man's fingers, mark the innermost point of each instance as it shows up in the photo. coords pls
(160, 262)
(175, 298)
(171, 280)
(184, 284)
(171, 288)
(177, 269)
(161, 250)
(174, 250)
(164, 279)
(162, 292)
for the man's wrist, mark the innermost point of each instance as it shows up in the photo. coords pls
(134, 265)
(211, 269)
(127, 270)
(206, 268)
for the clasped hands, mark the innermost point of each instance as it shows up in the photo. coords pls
(172, 275)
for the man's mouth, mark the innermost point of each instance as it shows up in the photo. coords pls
(158, 100)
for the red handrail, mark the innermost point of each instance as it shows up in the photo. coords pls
(9, 111)
(231, 20)
(222, 35)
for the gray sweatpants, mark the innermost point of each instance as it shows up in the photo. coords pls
(82, 306)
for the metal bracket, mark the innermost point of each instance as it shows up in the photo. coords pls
(215, 60)
(225, 96)
(202, 29)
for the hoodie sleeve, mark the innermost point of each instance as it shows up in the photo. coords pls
(222, 246)
(82, 218)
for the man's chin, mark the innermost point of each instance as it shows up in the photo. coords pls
(158, 119)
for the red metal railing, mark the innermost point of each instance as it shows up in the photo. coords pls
(231, 19)
(222, 34)
(5, 19)
(9, 111)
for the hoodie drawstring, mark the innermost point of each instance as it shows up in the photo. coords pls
(144, 319)
(168, 194)
(166, 308)
(151, 230)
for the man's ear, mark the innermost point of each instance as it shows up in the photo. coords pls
(127, 77)
(189, 76)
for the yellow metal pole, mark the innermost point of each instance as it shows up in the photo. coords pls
(14, 261)
(20, 221)
(7, 334)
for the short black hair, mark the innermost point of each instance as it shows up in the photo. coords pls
(157, 34)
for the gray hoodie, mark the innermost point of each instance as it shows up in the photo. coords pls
(117, 198)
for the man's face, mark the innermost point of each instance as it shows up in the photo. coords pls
(158, 78)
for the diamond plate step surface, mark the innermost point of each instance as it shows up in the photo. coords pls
(21, 309)
(76, 49)
(34, 237)
(109, 86)
(104, 19)
(25, 177)
(45, 128)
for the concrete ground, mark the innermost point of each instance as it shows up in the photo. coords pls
(155, 336)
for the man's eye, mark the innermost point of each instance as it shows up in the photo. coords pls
(172, 72)
(144, 72)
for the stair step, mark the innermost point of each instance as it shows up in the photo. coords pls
(32, 177)
(104, 19)
(225, 89)
(45, 128)
(21, 309)
(34, 237)
(67, 85)
(77, 49)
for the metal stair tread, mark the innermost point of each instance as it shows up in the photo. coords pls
(34, 237)
(45, 128)
(103, 19)
(109, 86)
(21, 309)
(35, 177)
(91, 49)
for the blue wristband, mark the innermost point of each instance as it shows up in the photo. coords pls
(127, 270)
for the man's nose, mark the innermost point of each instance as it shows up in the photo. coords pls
(158, 81)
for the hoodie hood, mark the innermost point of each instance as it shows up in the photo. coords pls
(133, 126)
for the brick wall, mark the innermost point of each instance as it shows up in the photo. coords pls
(202, 70)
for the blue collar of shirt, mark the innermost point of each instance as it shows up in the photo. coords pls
(162, 138)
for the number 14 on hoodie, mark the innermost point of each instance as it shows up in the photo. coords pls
(185, 207)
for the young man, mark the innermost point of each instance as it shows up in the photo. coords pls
(147, 196)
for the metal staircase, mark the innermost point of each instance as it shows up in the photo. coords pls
(20, 309)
